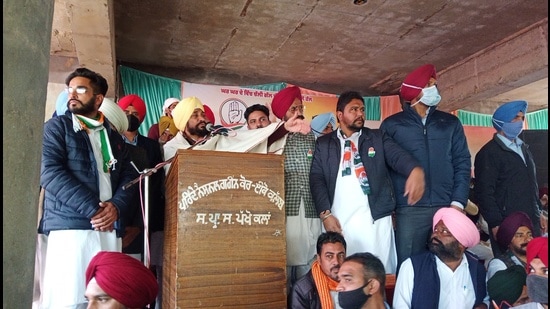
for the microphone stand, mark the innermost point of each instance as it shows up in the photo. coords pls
(145, 174)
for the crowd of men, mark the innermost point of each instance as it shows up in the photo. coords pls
(360, 203)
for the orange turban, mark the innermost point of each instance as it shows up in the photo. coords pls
(165, 122)
(462, 228)
(416, 81)
(136, 102)
(123, 278)
(283, 100)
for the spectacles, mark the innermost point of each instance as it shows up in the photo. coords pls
(77, 89)
(294, 108)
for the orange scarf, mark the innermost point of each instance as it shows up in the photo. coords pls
(324, 285)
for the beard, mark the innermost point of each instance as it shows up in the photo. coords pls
(197, 130)
(446, 253)
(356, 125)
(84, 108)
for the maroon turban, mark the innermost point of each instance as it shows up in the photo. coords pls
(136, 102)
(209, 113)
(123, 278)
(509, 227)
(537, 248)
(416, 81)
(283, 100)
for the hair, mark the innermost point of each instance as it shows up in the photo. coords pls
(346, 97)
(256, 108)
(372, 266)
(329, 238)
(98, 82)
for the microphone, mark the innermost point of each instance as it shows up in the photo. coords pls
(216, 129)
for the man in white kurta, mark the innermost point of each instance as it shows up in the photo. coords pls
(362, 233)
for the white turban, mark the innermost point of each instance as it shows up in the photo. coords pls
(184, 110)
(114, 114)
(167, 104)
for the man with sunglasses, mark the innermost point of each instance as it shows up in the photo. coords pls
(84, 167)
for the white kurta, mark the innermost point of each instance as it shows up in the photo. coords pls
(351, 207)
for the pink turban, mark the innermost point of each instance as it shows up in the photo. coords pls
(537, 248)
(509, 226)
(136, 102)
(462, 228)
(209, 114)
(416, 81)
(283, 100)
(184, 110)
(123, 278)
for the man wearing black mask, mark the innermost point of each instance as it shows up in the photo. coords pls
(362, 282)
(146, 154)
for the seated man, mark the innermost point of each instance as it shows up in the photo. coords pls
(316, 289)
(447, 276)
(362, 282)
(323, 124)
(537, 274)
(506, 288)
(514, 234)
(115, 280)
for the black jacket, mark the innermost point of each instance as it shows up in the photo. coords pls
(387, 154)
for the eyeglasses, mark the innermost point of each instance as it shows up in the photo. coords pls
(294, 108)
(77, 89)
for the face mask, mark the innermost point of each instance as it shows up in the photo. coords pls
(537, 288)
(430, 96)
(353, 299)
(133, 123)
(512, 129)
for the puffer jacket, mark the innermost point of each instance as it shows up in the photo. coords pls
(441, 147)
(70, 178)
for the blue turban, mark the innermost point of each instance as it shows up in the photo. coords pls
(321, 121)
(507, 112)
(61, 103)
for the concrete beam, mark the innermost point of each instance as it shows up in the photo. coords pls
(514, 62)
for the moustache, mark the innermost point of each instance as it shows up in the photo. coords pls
(435, 240)
(301, 117)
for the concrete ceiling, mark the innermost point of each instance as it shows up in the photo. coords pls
(486, 52)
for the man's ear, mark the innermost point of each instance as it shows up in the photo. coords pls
(372, 288)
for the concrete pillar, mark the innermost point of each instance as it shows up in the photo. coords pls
(27, 32)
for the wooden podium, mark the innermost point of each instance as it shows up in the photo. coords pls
(224, 242)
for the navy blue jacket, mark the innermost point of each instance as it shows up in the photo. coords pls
(441, 147)
(70, 178)
(426, 280)
(327, 159)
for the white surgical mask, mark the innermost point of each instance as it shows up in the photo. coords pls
(430, 96)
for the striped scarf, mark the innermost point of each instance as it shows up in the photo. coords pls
(87, 124)
(351, 151)
(324, 285)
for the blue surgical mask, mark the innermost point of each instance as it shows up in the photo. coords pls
(354, 299)
(430, 96)
(512, 129)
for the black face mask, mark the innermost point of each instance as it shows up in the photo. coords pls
(353, 299)
(133, 123)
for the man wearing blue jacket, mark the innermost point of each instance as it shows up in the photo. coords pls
(84, 168)
(437, 140)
